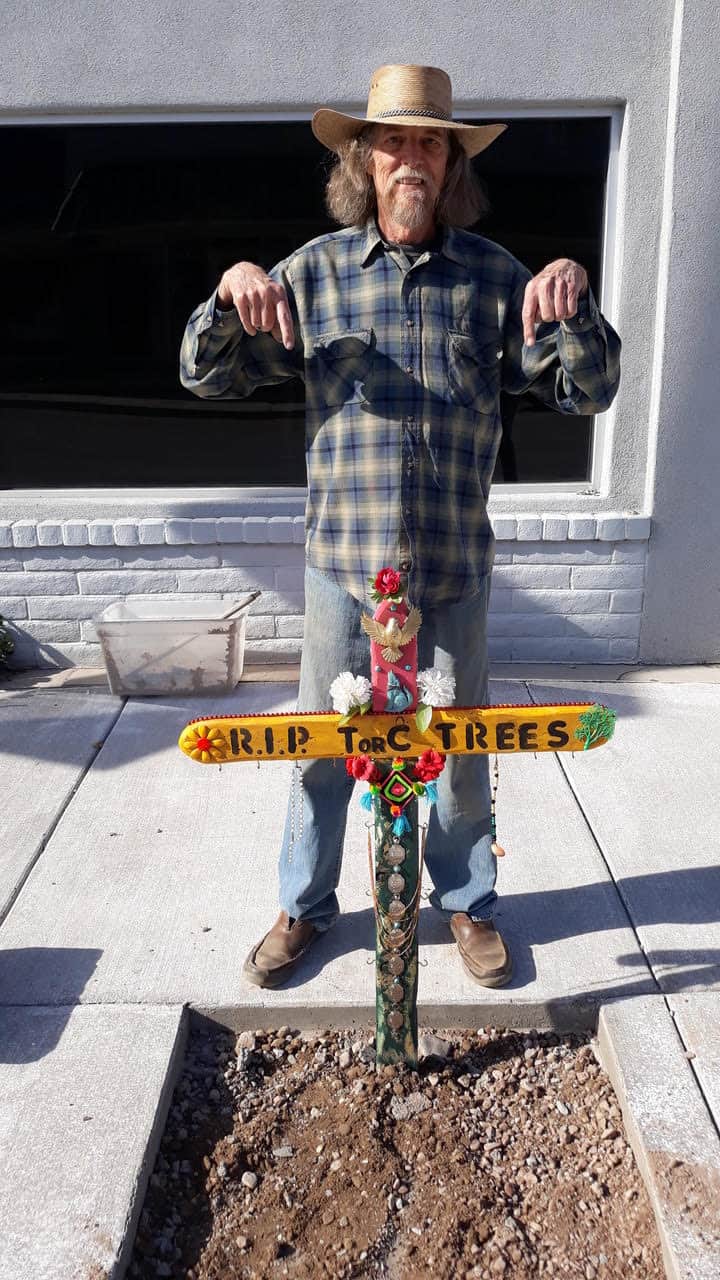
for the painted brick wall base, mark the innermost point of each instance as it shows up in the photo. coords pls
(564, 589)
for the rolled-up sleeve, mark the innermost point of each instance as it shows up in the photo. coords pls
(219, 360)
(574, 365)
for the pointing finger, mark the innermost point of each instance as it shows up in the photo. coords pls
(546, 299)
(529, 312)
(285, 321)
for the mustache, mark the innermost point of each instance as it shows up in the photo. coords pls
(408, 172)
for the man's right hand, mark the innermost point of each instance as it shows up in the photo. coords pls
(260, 303)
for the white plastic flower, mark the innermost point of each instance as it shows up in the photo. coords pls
(436, 688)
(349, 692)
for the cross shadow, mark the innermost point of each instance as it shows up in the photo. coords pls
(675, 971)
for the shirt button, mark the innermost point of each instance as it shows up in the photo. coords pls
(408, 368)
(409, 323)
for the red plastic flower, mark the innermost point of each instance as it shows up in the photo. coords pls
(387, 582)
(362, 768)
(429, 765)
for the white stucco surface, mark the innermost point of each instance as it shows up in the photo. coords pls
(682, 607)
(653, 64)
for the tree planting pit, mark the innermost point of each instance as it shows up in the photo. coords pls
(292, 1155)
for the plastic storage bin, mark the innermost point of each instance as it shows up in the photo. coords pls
(164, 646)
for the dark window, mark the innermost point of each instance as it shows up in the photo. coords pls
(111, 235)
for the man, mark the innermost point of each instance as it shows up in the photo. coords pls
(405, 329)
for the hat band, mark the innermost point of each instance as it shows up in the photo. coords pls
(428, 112)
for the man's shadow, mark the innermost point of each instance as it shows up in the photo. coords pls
(29, 1032)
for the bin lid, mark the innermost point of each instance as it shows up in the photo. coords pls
(174, 610)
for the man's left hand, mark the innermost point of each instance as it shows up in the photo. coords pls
(552, 295)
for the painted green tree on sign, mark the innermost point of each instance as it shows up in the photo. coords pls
(596, 725)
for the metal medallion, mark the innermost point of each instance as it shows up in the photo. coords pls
(395, 854)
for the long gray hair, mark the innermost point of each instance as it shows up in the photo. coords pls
(350, 192)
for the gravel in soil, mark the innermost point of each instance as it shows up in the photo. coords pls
(293, 1156)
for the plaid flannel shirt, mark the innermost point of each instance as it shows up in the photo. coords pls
(403, 366)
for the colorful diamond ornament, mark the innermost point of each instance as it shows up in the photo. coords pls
(396, 790)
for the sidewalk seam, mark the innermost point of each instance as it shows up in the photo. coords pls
(691, 1063)
(44, 842)
(601, 852)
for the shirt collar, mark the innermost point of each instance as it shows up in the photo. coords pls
(372, 238)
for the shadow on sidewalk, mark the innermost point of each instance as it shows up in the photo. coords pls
(684, 897)
(29, 1032)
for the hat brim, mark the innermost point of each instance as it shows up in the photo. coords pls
(333, 128)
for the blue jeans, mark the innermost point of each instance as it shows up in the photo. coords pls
(457, 853)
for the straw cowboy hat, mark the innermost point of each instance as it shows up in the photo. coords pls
(405, 95)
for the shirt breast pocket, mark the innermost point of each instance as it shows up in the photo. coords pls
(344, 363)
(473, 371)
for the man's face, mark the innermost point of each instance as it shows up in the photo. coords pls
(408, 165)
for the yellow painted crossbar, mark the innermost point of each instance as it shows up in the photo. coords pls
(452, 730)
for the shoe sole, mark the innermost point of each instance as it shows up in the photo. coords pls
(492, 980)
(259, 979)
(271, 977)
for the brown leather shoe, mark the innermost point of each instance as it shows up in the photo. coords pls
(484, 955)
(273, 959)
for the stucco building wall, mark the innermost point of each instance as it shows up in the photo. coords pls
(651, 63)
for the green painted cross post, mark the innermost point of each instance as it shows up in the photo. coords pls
(393, 676)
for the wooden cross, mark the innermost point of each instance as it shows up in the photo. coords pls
(395, 734)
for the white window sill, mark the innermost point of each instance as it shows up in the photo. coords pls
(276, 520)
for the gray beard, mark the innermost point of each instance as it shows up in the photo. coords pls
(412, 214)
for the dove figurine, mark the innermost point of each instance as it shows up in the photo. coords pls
(393, 632)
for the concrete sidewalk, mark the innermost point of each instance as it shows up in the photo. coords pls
(131, 877)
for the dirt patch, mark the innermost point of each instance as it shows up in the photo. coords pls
(294, 1157)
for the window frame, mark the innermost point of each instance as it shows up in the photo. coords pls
(600, 484)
